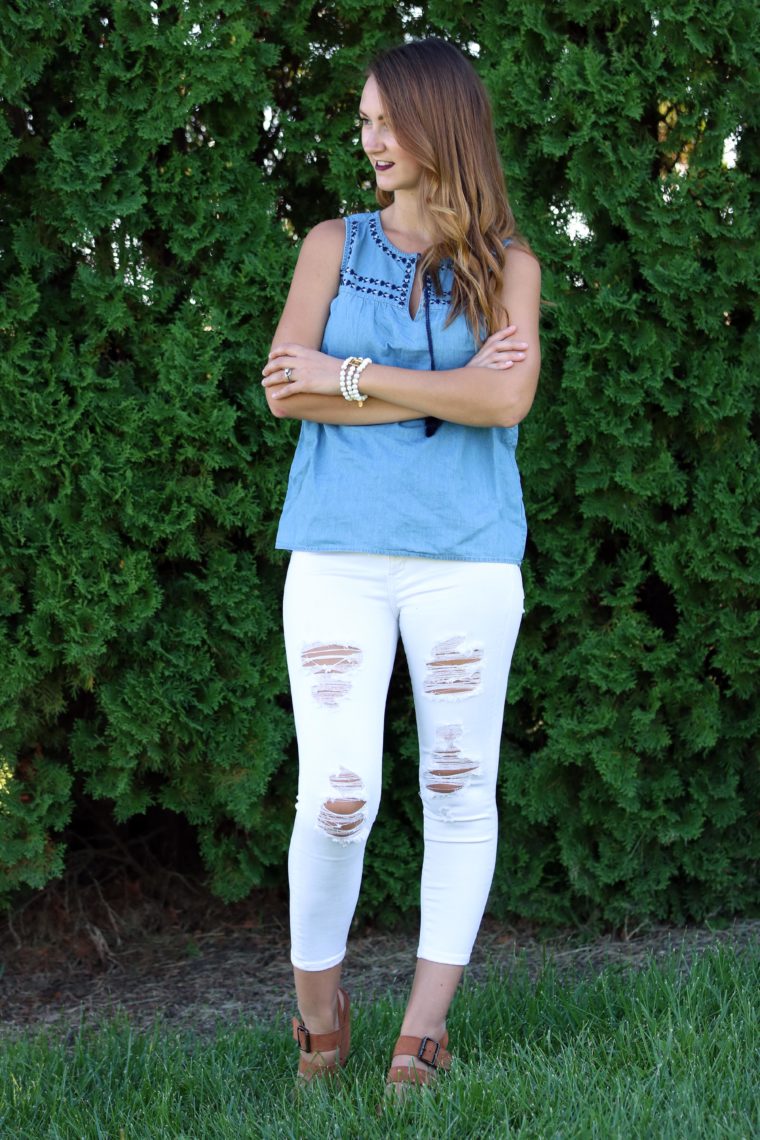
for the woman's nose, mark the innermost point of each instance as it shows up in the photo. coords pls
(372, 141)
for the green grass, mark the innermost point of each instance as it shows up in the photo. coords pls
(669, 1051)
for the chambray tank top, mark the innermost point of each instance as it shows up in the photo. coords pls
(390, 488)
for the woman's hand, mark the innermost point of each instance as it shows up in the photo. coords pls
(293, 369)
(500, 351)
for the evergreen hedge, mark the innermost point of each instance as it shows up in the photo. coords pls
(159, 163)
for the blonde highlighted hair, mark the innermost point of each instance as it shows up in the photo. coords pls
(440, 113)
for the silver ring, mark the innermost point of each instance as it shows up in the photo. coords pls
(289, 375)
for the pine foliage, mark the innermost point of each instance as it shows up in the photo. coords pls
(159, 162)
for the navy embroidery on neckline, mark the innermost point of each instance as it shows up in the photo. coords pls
(378, 236)
(394, 291)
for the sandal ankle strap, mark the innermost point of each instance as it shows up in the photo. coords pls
(427, 1049)
(339, 1038)
(314, 1042)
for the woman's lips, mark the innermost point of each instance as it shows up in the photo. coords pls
(383, 165)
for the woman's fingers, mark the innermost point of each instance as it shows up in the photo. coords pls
(280, 371)
(503, 335)
(292, 369)
(500, 333)
(498, 357)
(507, 350)
(279, 384)
(286, 350)
(285, 356)
(277, 366)
(507, 346)
(280, 391)
(276, 377)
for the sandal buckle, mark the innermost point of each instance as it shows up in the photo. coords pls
(424, 1043)
(304, 1038)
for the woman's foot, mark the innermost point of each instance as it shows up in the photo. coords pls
(322, 1053)
(416, 1062)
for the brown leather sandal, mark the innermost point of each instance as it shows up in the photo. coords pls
(426, 1049)
(309, 1068)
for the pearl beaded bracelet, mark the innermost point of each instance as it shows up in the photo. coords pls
(350, 372)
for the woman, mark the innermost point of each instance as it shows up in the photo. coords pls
(404, 513)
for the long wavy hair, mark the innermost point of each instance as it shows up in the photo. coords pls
(440, 113)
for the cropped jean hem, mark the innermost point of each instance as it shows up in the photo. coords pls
(442, 958)
(315, 967)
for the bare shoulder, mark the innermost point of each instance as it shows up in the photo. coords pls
(520, 259)
(326, 240)
(319, 261)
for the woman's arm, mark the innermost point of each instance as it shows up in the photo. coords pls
(314, 285)
(476, 395)
(471, 395)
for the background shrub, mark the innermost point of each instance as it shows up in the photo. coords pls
(159, 164)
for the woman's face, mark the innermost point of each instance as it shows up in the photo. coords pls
(395, 168)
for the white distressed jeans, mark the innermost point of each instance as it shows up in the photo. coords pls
(458, 622)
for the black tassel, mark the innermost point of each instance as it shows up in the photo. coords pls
(431, 422)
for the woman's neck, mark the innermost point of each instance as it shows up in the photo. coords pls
(405, 223)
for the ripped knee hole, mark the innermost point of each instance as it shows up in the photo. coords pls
(342, 815)
(449, 765)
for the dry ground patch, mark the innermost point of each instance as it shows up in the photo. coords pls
(179, 955)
